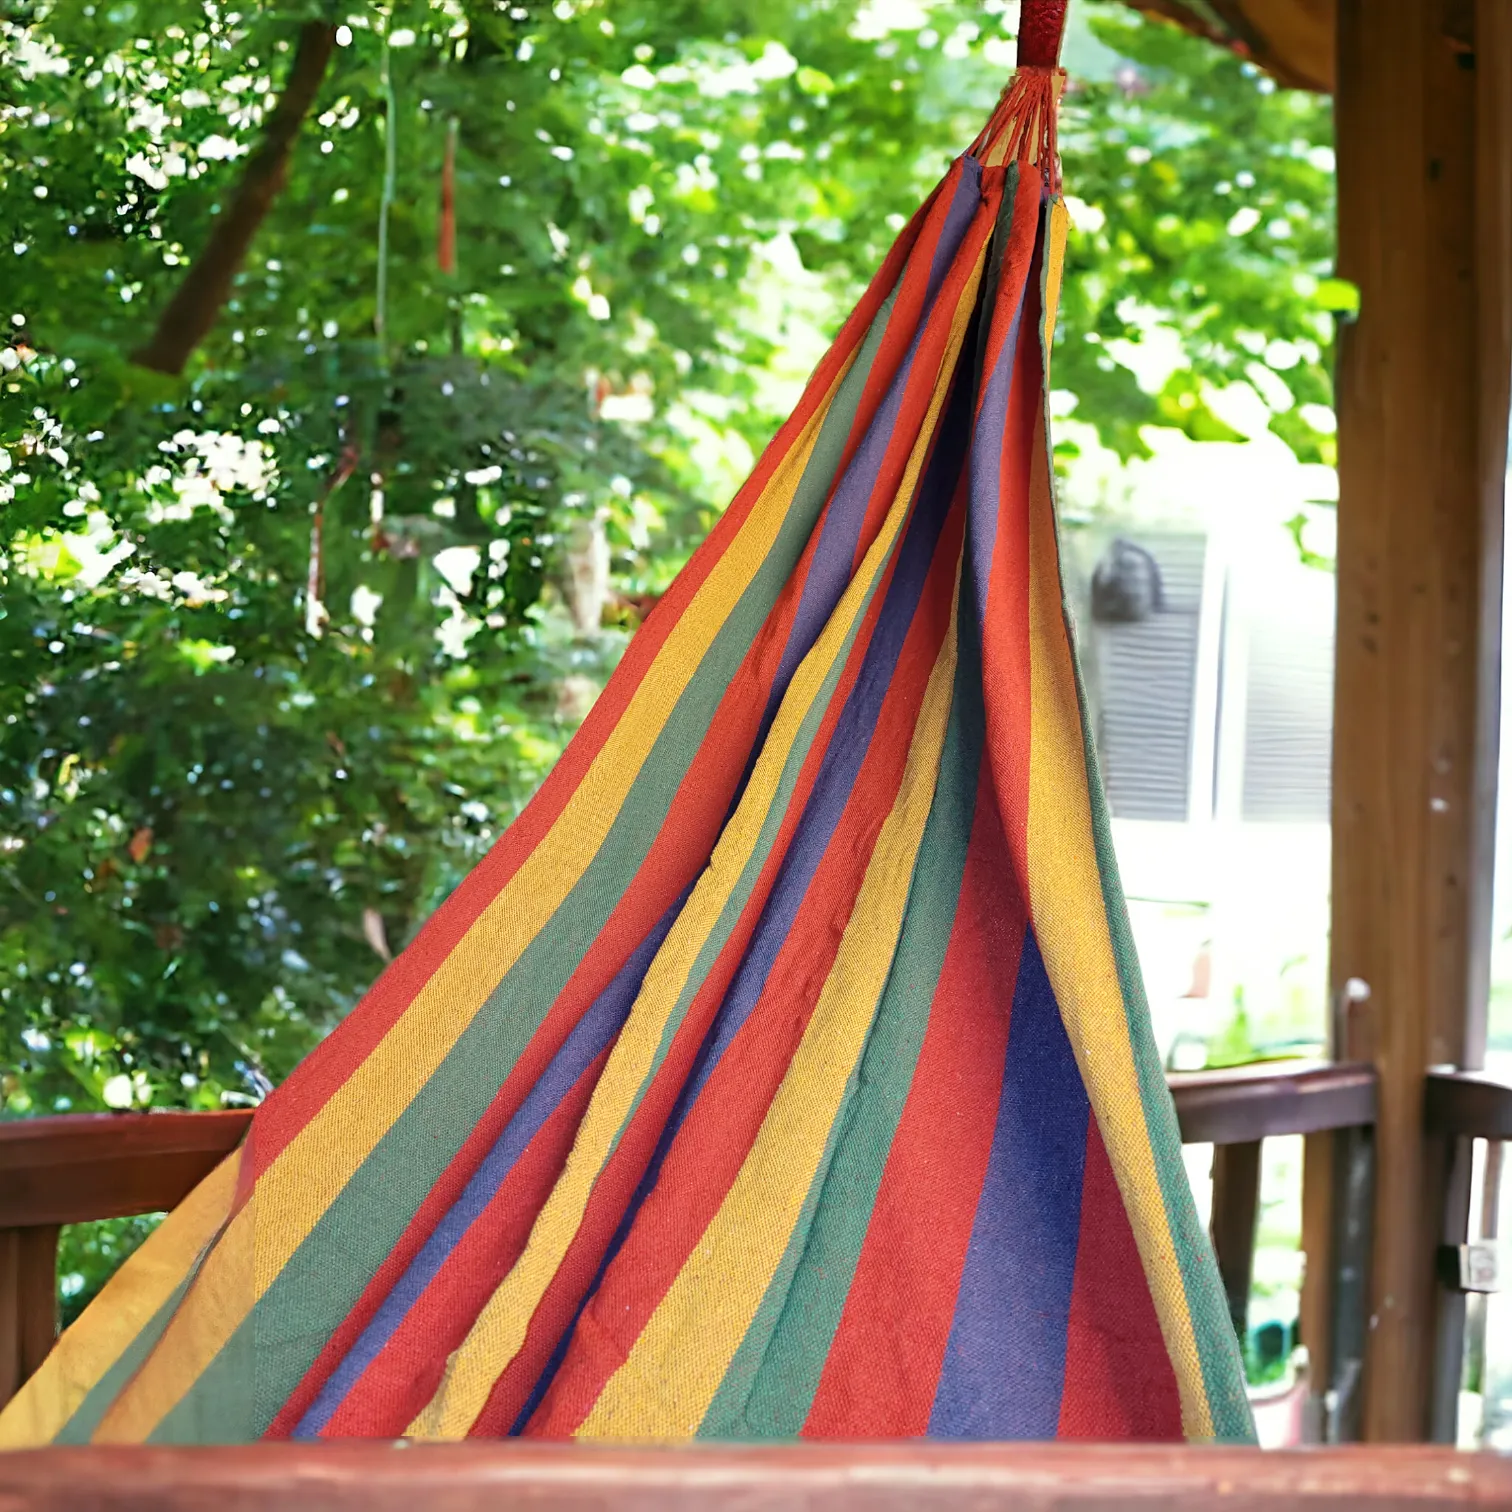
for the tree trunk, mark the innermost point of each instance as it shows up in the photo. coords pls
(194, 308)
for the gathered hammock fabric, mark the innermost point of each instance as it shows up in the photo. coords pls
(784, 1070)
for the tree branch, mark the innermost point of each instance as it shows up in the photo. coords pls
(193, 310)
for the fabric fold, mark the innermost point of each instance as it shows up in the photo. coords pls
(785, 1069)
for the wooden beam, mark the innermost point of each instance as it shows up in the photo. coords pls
(1467, 1105)
(28, 1303)
(913, 1477)
(86, 1166)
(82, 1167)
(1418, 629)
(1243, 1103)
(1292, 40)
(1492, 59)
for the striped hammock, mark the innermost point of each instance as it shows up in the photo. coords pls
(785, 1069)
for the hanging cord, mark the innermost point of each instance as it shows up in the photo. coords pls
(1022, 127)
(1042, 24)
(446, 232)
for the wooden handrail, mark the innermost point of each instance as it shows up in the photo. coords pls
(75, 1169)
(81, 1167)
(912, 1477)
(86, 1166)
(1467, 1104)
(1243, 1103)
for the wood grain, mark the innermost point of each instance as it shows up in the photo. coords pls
(82, 1167)
(1293, 40)
(1243, 1103)
(917, 1477)
(86, 1166)
(1412, 629)
(1236, 1213)
(28, 1303)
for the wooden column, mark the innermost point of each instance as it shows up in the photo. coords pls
(28, 1302)
(1423, 155)
(1236, 1213)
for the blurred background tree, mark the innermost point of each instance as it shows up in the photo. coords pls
(288, 637)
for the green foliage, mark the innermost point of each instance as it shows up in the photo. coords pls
(1206, 212)
(224, 798)
(88, 1255)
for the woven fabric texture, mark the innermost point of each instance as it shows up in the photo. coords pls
(784, 1070)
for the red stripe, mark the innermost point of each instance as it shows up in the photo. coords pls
(1014, 269)
(1120, 1383)
(883, 1367)
(1006, 665)
(317, 1078)
(683, 841)
(707, 1155)
(406, 1373)
(903, 321)
(676, 856)
(622, 1173)
(927, 362)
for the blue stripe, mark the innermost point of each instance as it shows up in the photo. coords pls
(992, 423)
(834, 556)
(588, 1039)
(1005, 1362)
(832, 788)
(848, 745)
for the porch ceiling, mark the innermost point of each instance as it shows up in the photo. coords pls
(1293, 40)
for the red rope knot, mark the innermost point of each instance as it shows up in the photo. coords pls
(1041, 24)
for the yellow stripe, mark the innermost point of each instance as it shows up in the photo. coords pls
(665, 1386)
(499, 1330)
(196, 1333)
(1055, 267)
(1071, 926)
(126, 1304)
(310, 1173)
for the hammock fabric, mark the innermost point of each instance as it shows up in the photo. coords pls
(784, 1070)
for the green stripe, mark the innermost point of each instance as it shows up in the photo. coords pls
(1217, 1348)
(222, 1406)
(770, 1386)
(740, 894)
(87, 1416)
(293, 1320)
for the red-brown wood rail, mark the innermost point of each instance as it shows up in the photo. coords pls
(1243, 1103)
(914, 1477)
(86, 1166)
(83, 1167)
(76, 1169)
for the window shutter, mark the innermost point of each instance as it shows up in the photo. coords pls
(1146, 681)
(1288, 727)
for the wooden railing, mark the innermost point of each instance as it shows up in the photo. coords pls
(1460, 1110)
(79, 1168)
(1334, 1106)
(913, 1477)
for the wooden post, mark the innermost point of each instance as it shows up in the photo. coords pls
(1236, 1211)
(1423, 150)
(28, 1302)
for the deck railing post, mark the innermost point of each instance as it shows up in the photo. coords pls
(28, 1302)
(1236, 1212)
